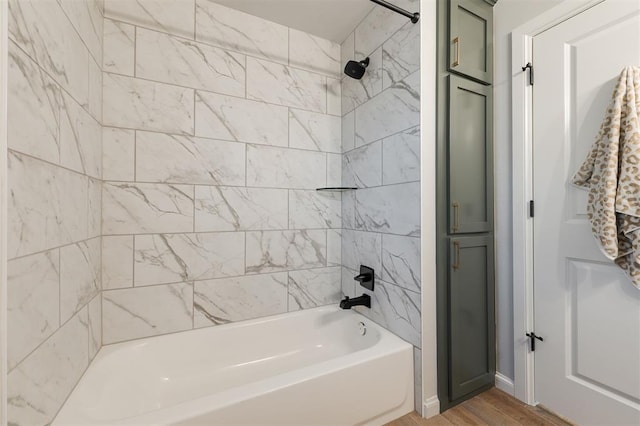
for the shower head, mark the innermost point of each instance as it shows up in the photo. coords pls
(356, 69)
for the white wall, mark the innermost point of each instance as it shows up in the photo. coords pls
(508, 15)
(428, 47)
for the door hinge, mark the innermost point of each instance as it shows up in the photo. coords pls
(532, 339)
(531, 208)
(529, 66)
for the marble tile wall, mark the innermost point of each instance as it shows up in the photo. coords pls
(217, 131)
(381, 157)
(54, 179)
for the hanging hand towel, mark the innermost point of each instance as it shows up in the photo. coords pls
(611, 173)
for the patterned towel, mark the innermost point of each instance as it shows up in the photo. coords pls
(611, 173)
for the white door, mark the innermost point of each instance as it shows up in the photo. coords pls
(588, 367)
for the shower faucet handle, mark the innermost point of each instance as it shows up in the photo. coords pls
(366, 277)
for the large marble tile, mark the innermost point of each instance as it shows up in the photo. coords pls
(349, 209)
(171, 16)
(80, 139)
(234, 119)
(86, 17)
(391, 209)
(94, 208)
(394, 110)
(170, 258)
(240, 209)
(272, 251)
(236, 299)
(39, 385)
(312, 209)
(117, 262)
(183, 159)
(80, 276)
(334, 96)
(283, 85)
(348, 131)
(118, 154)
(396, 309)
(334, 247)
(34, 103)
(42, 29)
(401, 54)
(132, 313)
(362, 167)
(174, 60)
(362, 248)
(334, 170)
(33, 303)
(47, 206)
(357, 92)
(401, 157)
(147, 105)
(401, 261)
(314, 287)
(269, 167)
(314, 53)
(231, 29)
(380, 25)
(95, 325)
(119, 48)
(130, 208)
(94, 106)
(314, 131)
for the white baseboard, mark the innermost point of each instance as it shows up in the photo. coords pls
(431, 407)
(505, 384)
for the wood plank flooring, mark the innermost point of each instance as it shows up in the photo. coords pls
(491, 408)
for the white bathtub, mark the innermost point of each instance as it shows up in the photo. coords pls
(303, 368)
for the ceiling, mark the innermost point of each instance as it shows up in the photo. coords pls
(330, 19)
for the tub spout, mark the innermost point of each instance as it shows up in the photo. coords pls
(364, 300)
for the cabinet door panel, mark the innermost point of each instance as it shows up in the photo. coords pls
(471, 39)
(470, 157)
(471, 315)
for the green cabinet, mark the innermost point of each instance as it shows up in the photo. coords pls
(470, 165)
(471, 307)
(464, 201)
(471, 39)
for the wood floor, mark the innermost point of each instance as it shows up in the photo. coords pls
(491, 408)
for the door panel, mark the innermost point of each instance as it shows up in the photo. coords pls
(471, 313)
(471, 39)
(470, 156)
(587, 311)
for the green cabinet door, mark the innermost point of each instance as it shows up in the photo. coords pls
(471, 315)
(471, 39)
(470, 157)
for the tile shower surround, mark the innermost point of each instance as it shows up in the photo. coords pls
(218, 128)
(213, 138)
(54, 308)
(381, 156)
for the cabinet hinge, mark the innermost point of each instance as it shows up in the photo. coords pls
(532, 339)
(531, 208)
(529, 66)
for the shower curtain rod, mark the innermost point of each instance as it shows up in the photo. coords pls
(415, 17)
